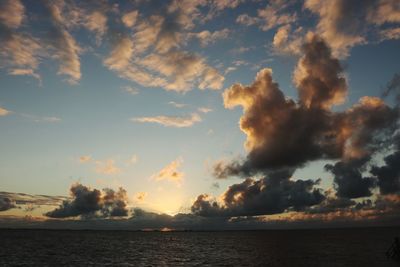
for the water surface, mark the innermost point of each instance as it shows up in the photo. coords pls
(333, 247)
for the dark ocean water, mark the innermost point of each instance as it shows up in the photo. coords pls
(334, 247)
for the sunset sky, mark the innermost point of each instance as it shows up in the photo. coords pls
(197, 113)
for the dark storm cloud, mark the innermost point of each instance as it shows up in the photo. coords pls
(282, 133)
(270, 195)
(6, 204)
(89, 202)
(332, 204)
(349, 180)
(114, 203)
(388, 175)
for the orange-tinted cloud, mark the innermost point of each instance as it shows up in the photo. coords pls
(171, 172)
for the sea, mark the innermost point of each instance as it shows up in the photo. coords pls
(318, 247)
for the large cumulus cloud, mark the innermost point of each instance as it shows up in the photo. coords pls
(349, 180)
(282, 132)
(273, 194)
(89, 202)
(388, 174)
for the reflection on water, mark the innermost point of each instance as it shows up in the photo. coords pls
(340, 247)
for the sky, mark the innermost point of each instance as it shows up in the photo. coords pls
(199, 114)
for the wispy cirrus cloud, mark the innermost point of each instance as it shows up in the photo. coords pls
(18, 51)
(35, 118)
(17, 199)
(171, 121)
(65, 48)
(177, 105)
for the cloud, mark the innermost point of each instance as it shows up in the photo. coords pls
(134, 159)
(131, 90)
(273, 194)
(37, 200)
(12, 13)
(204, 110)
(129, 18)
(174, 71)
(344, 24)
(384, 11)
(393, 87)
(331, 212)
(6, 204)
(206, 37)
(245, 19)
(171, 172)
(177, 105)
(287, 41)
(349, 180)
(96, 21)
(85, 159)
(65, 49)
(388, 175)
(141, 196)
(331, 204)
(273, 15)
(120, 55)
(223, 4)
(382, 212)
(242, 49)
(18, 51)
(87, 202)
(35, 118)
(4, 112)
(340, 23)
(107, 167)
(283, 133)
(319, 76)
(171, 121)
(27, 72)
(159, 60)
(390, 34)
(230, 69)
(181, 69)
